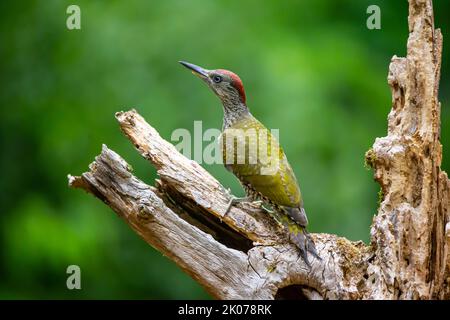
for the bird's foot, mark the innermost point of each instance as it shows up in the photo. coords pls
(266, 209)
(234, 200)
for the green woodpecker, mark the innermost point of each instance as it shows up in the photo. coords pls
(254, 156)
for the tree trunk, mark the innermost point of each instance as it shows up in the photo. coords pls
(246, 255)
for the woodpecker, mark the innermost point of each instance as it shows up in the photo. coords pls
(271, 181)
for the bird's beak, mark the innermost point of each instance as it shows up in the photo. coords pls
(198, 71)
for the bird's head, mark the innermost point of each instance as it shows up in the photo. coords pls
(225, 84)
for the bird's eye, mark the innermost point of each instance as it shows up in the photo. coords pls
(217, 79)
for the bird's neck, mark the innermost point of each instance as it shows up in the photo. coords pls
(232, 112)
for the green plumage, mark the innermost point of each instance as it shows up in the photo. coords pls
(271, 177)
(254, 155)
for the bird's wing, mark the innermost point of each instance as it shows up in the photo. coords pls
(266, 171)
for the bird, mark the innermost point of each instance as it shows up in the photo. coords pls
(252, 153)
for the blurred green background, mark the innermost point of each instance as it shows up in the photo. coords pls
(310, 68)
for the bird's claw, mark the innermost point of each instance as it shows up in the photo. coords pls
(266, 209)
(230, 203)
(234, 200)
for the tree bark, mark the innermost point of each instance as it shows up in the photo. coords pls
(246, 255)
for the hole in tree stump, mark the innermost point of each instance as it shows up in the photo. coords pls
(292, 292)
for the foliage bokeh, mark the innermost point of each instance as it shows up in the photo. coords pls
(310, 68)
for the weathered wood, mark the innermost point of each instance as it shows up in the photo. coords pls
(225, 272)
(246, 255)
(110, 179)
(408, 233)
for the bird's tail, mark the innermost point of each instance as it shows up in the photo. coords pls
(295, 222)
